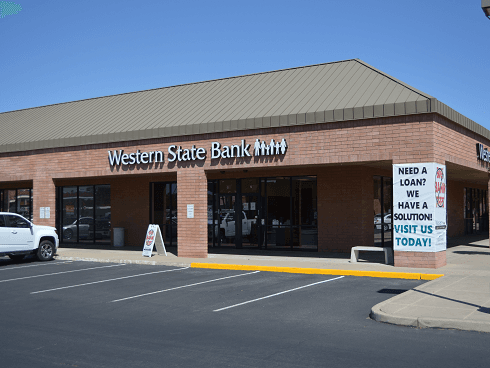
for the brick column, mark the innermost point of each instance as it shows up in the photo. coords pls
(44, 195)
(488, 197)
(192, 233)
(345, 202)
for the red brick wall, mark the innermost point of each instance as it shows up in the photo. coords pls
(192, 233)
(44, 195)
(345, 208)
(130, 203)
(420, 259)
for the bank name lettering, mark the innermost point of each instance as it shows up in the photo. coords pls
(177, 153)
(482, 153)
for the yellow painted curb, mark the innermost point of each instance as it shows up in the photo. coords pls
(319, 271)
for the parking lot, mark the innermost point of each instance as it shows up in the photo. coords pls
(88, 314)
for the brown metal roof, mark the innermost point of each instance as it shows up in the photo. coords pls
(338, 91)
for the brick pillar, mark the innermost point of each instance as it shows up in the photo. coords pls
(44, 195)
(488, 197)
(192, 233)
(345, 208)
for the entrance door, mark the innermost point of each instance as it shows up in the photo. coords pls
(163, 204)
(227, 220)
(250, 221)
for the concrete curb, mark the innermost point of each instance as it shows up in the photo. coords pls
(125, 261)
(379, 315)
(300, 270)
(319, 271)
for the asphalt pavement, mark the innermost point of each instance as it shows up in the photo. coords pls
(94, 314)
(460, 299)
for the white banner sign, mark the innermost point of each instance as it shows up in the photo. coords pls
(153, 238)
(419, 203)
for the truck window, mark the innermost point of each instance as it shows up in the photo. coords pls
(16, 221)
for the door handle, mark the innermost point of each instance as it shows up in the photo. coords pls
(14, 232)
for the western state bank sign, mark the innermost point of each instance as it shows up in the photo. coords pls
(177, 153)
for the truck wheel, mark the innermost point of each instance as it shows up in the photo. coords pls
(45, 252)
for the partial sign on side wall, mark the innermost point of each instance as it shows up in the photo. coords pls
(419, 205)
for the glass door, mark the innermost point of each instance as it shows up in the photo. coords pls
(85, 222)
(69, 213)
(250, 221)
(164, 210)
(383, 203)
(227, 220)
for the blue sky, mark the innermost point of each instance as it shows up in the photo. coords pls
(57, 51)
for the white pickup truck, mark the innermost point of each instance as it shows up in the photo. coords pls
(20, 237)
(227, 226)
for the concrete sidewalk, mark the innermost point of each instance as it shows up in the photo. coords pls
(460, 299)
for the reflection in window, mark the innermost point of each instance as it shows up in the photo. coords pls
(17, 201)
(475, 211)
(69, 214)
(164, 210)
(86, 228)
(17, 222)
(85, 213)
(103, 213)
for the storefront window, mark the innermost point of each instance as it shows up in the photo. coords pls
(103, 213)
(476, 211)
(84, 213)
(12, 197)
(86, 226)
(164, 210)
(212, 214)
(251, 185)
(263, 213)
(17, 201)
(278, 202)
(227, 186)
(69, 214)
(383, 203)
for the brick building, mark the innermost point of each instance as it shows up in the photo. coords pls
(302, 157)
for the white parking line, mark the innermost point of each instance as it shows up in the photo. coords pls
(282, 292)
(184, 286)
(99, 282)
(59, 273)
(34, 265)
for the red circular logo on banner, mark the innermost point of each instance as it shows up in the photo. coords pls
(149, 237)
(440, 187)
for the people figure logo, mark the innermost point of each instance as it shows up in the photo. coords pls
(257, 147)
(262, 148)
(283, 146)
(274, 148)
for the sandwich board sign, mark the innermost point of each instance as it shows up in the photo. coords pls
(153, 238)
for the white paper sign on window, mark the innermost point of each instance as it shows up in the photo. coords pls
(419, 207)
